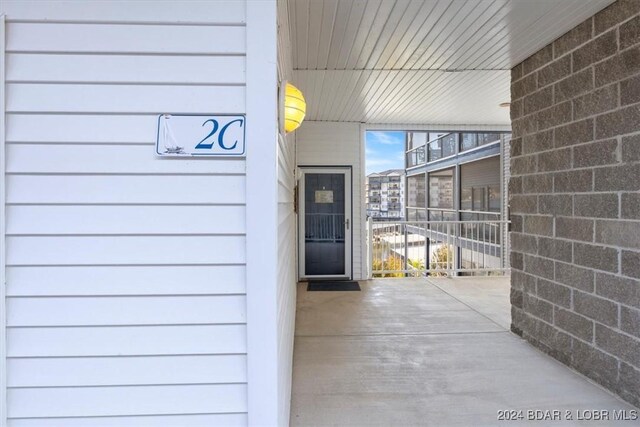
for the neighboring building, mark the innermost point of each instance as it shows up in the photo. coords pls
(385, 194)
(460, 176)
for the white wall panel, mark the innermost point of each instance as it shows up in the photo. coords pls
(171, 11)
(106, 250)
(135, 310)
(92, 38)
(113, 371)
(92, 219)
(82, 129)
(125, 69)
(105, 159)
(198, 420)
(127, 279)
(287, 253)
(140, 400)
(126, 341)
(132, 189)
(56, 98)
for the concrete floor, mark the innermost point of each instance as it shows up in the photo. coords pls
(412, 352)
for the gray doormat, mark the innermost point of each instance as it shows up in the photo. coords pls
(345, 285)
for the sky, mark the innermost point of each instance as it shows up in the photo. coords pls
(384, 150)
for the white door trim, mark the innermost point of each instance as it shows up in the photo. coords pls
(348, 235)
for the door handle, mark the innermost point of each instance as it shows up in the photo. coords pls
(346, 222)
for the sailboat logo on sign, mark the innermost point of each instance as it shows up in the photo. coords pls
(170, 144)
(200, 135)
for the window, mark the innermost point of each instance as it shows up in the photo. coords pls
(435, 150)
(449, 145)
(465, 199)
(485, 199)
(494, 198)
(478, 199)
(416, 191)
(468, 141)
(417, 139)
(441, 190)
(487, 138)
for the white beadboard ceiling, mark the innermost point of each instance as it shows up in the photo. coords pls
(419, 61)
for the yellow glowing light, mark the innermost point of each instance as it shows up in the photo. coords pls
(295, 108)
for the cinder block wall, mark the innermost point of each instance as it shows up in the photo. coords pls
(575, 200)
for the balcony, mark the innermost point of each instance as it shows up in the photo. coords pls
(416, 157)
(450, 145)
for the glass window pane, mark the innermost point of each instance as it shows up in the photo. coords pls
(494, 198)
(420, 159)
(468, 141)
(416, 191)
(411, 214)
(486, 138)
(435, 150)
(441, 191)
(478, 199)
(449, 145)
(465, 199)
(418, 139)
(436, 135)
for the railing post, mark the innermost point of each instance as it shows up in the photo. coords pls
(371, 244)
(426, 250)
(406, 250)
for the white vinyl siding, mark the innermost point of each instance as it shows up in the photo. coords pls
(126, 284)
(287, 226)
(287, 253)
(338, 144)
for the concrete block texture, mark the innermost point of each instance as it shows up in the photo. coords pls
(575, 205)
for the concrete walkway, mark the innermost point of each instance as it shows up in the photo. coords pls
(411, 352)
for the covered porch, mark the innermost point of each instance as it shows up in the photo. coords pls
(438, 351)
(412, 351)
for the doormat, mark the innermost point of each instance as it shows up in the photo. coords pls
(333, 286)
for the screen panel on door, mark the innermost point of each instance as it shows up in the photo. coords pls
(324, 224)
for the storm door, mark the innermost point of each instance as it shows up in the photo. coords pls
(325, 222)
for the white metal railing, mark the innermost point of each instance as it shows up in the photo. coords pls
(436, 248)
(324, 227)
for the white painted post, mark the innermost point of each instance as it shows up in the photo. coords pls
(503, 195)
(262, 214)
(370, 244)
(363, 212)
(3, 256)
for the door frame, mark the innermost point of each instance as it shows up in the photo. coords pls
(348, 207)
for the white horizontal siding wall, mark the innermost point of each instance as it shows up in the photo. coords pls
(287, 253)
(126, 281)
(339, 144)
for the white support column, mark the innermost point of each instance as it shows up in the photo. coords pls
(3, 219)
(262, 211)
(364, 243)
